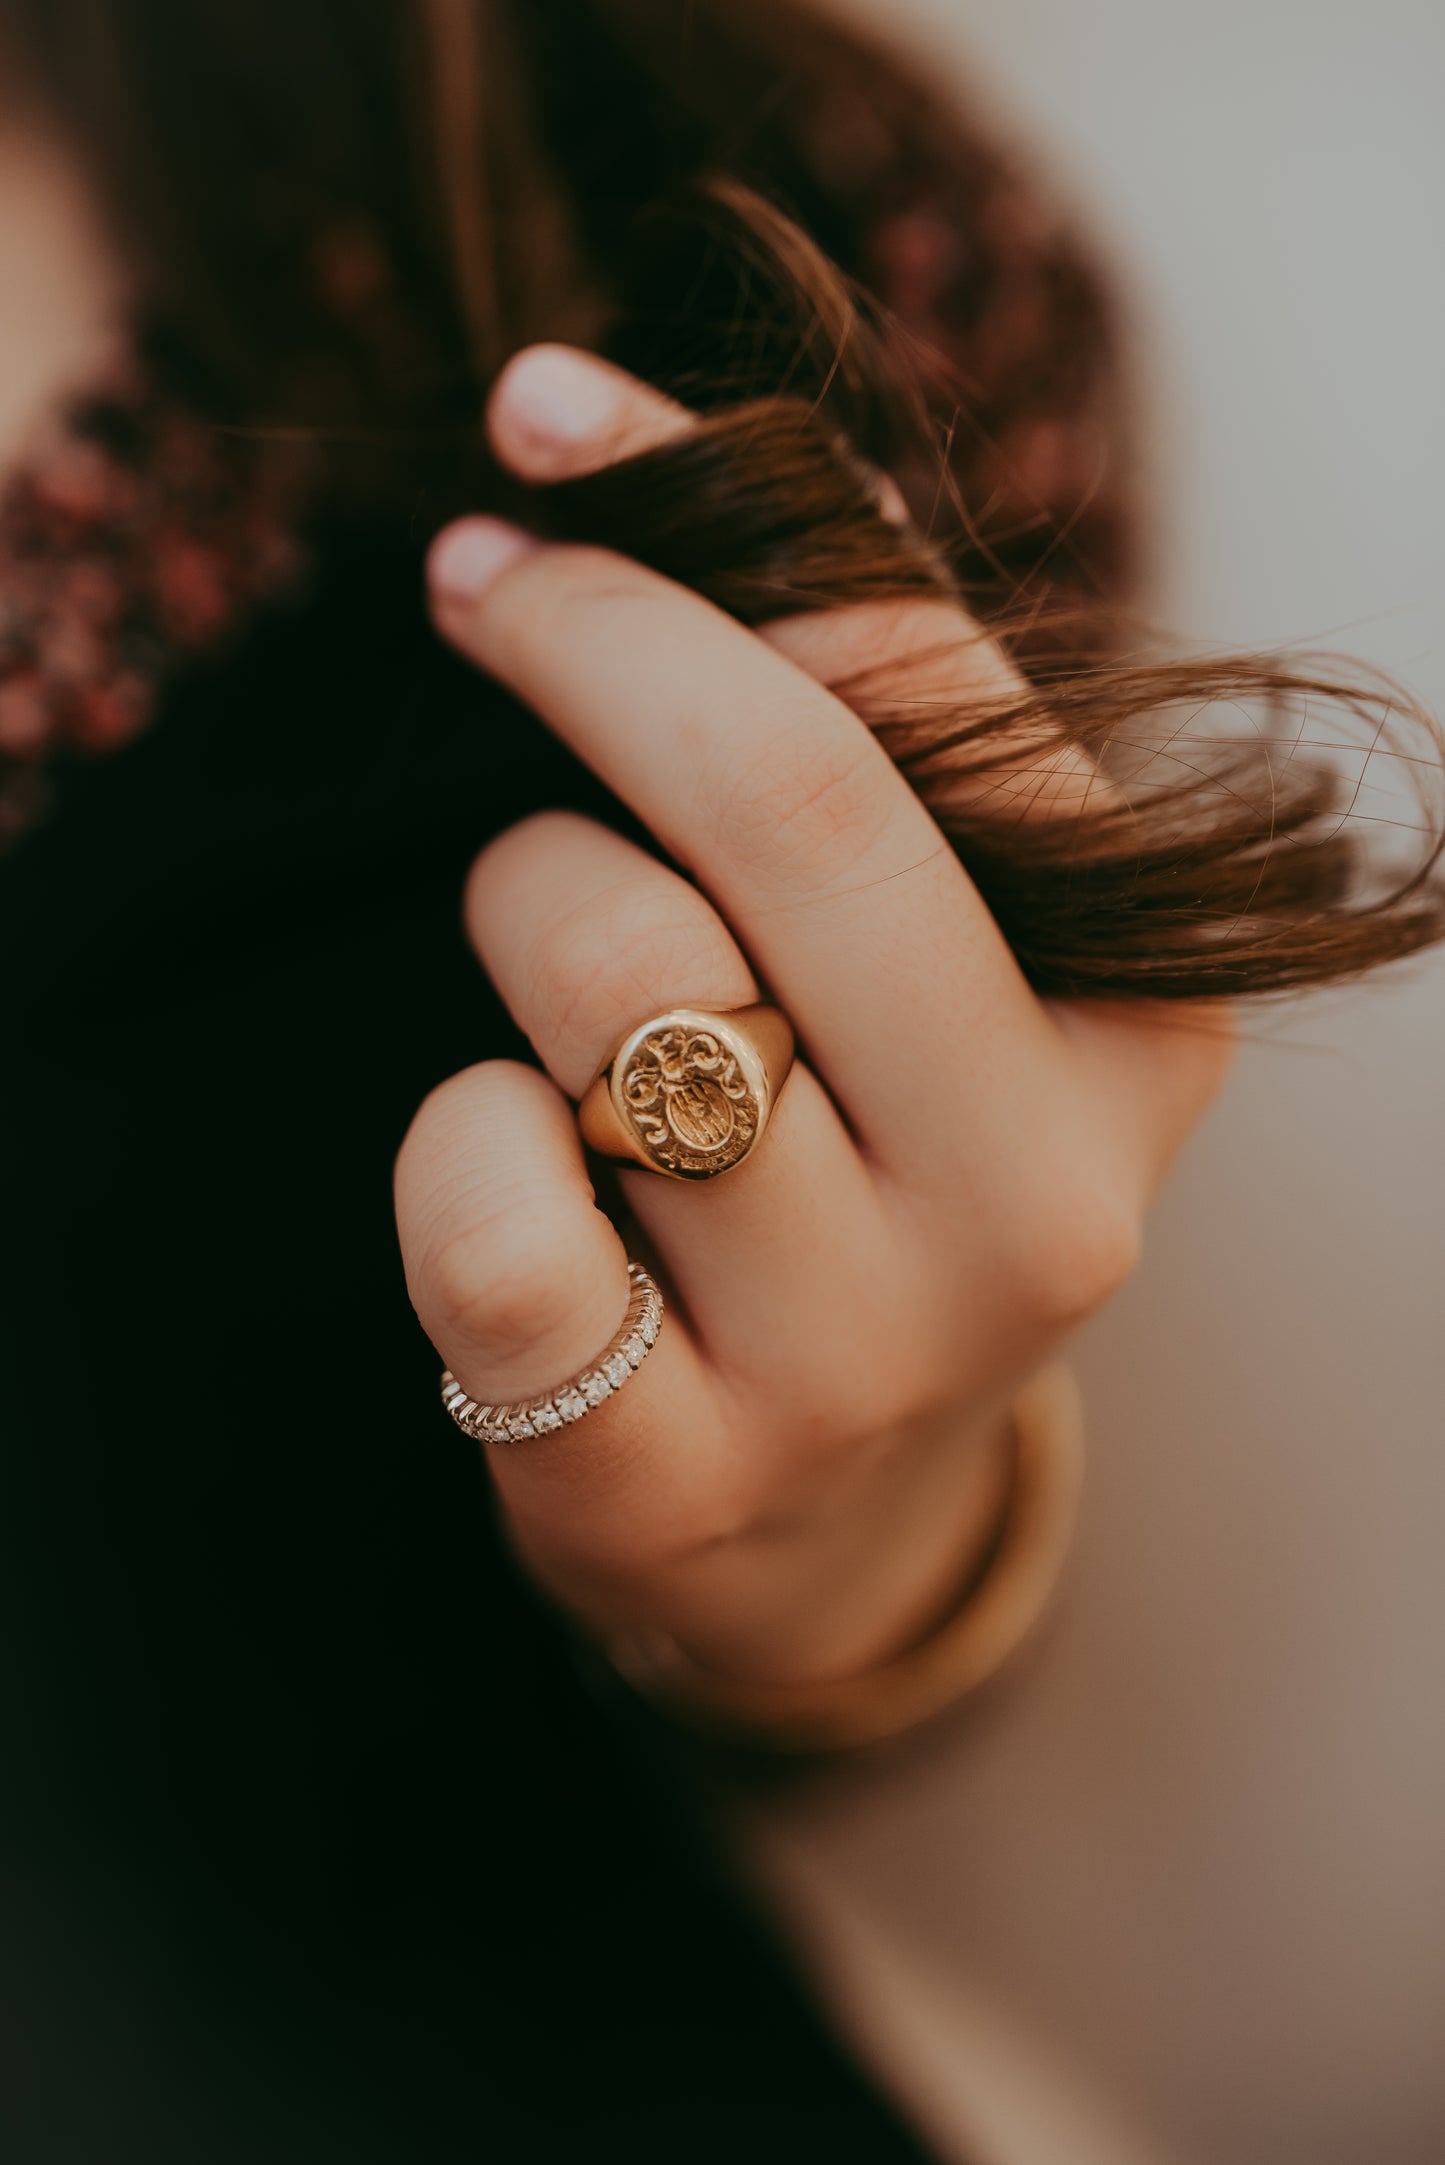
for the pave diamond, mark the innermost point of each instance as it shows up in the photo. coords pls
(641, 1322)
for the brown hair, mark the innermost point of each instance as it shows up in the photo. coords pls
(350, 212)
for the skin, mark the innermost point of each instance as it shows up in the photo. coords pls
(797, 1481)
(64, 294)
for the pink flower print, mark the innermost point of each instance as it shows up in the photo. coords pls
(193, 590)
(24, 718)
(78, 487)
(110, 714)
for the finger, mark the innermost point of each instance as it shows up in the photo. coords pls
(584, 935)
(1150, 1074)
(1151, 1071)
(925, 665)
(841, 888)
(556, 413)
(516, 1275)
(519, 1281)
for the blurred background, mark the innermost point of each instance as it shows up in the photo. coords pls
(1178, 1893)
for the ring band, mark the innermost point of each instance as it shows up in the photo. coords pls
(689, 1092)
(623, 1354)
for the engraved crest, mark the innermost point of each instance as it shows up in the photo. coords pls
(699, 1115)
(690, 1105)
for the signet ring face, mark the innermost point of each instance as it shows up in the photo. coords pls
(689, 1092)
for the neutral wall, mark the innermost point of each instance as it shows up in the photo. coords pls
(1196, 1859)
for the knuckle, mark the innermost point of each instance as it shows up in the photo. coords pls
(1085, 1246)
(798, 807)
(501, 1283)
(521, 610)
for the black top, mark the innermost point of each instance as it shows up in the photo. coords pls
(318, 1843)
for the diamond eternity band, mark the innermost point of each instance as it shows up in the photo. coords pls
(624, 1352)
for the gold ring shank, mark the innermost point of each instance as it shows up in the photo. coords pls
(689, 1092)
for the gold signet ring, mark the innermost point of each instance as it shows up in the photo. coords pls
(689, 1092)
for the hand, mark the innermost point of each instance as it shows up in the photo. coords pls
(793, 1484)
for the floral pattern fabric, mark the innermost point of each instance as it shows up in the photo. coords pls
(134, 536)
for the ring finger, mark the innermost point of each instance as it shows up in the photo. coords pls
(585, 935)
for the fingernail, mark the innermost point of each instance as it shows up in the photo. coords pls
(469, 554)
(560, 396)
(892, 502)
